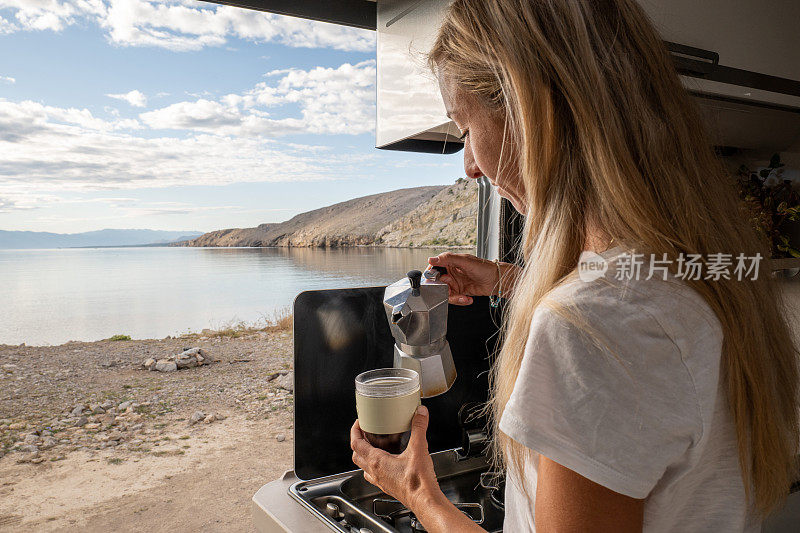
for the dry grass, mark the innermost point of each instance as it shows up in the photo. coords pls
(280, 320)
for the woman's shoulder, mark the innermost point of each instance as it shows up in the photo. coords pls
(625, 299)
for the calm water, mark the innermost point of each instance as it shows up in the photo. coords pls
(53, 296)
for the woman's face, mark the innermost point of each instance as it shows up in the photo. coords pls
(483, 143)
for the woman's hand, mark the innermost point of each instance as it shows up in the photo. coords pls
(469, 276)
(408, 477)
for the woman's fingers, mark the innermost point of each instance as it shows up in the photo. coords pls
(356, 434)
(457, 291)
(451, 260)
(358, 460)
(418, 443)
(459, 299)
(371, 480)
(360, 445)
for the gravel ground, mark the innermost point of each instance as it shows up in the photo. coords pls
(65, 408)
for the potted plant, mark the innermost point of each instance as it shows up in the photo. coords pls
(773, 204)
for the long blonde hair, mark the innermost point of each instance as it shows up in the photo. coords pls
(605, 133)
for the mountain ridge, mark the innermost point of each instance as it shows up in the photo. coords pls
(438, 215)
(10, 239)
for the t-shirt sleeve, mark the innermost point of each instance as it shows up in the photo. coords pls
(618, 410)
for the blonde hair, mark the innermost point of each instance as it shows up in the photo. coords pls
(606, 135)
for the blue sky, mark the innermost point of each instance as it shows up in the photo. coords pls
(179, 114)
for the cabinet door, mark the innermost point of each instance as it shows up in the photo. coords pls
(754, 35)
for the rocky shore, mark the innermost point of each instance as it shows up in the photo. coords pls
(74, 416)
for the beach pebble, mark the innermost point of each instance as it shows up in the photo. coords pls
(163, 365)
(286, 381)
(280, 437)
(185, 361)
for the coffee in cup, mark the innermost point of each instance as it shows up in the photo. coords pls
(386, 400)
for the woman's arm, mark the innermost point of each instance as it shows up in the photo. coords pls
(468, 276)
(567, 501)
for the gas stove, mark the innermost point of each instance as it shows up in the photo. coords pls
(337, 335)
(348, 503)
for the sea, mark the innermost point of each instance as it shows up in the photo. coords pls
(50, 297)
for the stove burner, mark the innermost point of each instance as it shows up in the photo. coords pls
(393, 511)
(416, 526)
(349, 504)
(495, 483)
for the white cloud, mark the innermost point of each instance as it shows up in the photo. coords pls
(8, 79)
(7, 27)
(134, 98)
(19, 121)
(181, 25)
(45, 148)
(173, 208)
(40, 15)
(330, 101)
(7, 204)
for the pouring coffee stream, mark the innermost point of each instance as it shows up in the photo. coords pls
(416, 308)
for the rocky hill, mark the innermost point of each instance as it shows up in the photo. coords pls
(447, 219)
(422, 216)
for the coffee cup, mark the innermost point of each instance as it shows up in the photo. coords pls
(386, 400)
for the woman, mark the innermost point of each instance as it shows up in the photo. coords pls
(622, 403)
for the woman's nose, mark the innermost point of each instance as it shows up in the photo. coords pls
(470, 166)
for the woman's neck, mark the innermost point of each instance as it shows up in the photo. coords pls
(597, 240)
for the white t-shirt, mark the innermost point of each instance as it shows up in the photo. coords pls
(652, 424)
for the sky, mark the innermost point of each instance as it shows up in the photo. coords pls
(186, 115)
